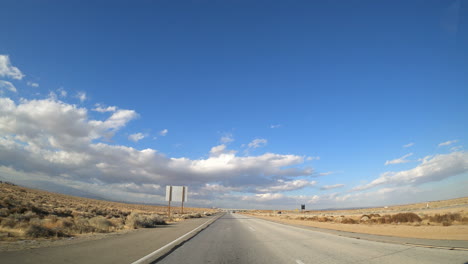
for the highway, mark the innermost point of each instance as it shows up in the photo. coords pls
(236, 238)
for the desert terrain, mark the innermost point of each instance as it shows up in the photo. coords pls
(40, 215)
(447, 219)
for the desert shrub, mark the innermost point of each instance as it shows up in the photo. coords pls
(51, 218)
(135, 220)
(35, 221)
(4, 212)
(405, 218)
(63, 212)
(81, 225)
(324, 219)
(449, 217)
(39, 231)
(196, 215)
(446, 223)
(100, 224)
(8, 222)
(347, 220)
(39, 211)
(374, 215)
(365, 218)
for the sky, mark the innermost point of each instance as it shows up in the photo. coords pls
(251, 104)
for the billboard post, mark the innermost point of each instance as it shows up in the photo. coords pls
(176, 194)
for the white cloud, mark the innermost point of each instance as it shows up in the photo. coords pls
(408, 145)
(282, 185)
(81, 96)
(399, 160)
(163, 132)
(275, 126)
(227, 138)
(136, 137)
(7, 86)
(7, 70)
(431, 169)
(60, 140)
(447, 143)
(325, 173)
(257, 143)
(101, 109)
(456, 148)
(313, 158)
(329, 187)
(62, 92)
(32, 84)
(219, 150)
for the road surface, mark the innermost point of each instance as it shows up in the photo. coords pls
(236, 238)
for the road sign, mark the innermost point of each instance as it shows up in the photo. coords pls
(176, 194)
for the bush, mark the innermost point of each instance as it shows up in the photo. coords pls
(449, 217)
(405, 218)
(347, 220)
(135, 220)
(81, 225)
(39, 231)
(100, 224)
(8, 222)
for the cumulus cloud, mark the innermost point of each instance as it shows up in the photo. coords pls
(32, 84)
(329, 187)
(282, 185)
(447, 143)
(431, 169)
(399, 160)
(257, 143)
(136, 137)
(408, 145)
(163, 132)
(9, 71)
(7, 86)
(62, 141)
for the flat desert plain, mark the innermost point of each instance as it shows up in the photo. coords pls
(446, 219)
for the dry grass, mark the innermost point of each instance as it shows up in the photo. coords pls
(29, 213)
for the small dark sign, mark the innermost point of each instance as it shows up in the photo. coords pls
(302, 206)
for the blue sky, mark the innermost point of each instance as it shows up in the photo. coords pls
(261, 104)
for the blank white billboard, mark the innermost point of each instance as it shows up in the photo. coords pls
(179, 193)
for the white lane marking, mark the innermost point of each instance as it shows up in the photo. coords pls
(154, 253)
(251, 228)
(298, 261)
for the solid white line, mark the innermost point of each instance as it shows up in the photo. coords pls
(147, 257)
(251, 228)
(298, 261)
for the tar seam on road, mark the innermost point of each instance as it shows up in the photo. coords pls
(148, 257)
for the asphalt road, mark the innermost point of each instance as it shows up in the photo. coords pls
(236, 238)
